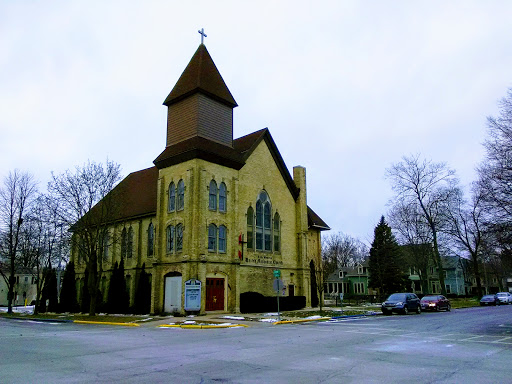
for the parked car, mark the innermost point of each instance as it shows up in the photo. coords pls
(401, 303)
(435, 303)
(489, 300)
(504, 297)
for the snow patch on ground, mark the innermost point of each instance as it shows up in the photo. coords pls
(234, 317)
(189, 322)
(29, 309)
(268, 320)
(314, 317)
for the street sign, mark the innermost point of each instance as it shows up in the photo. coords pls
(277, 273)
(278, 285)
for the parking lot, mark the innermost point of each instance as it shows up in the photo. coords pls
(471, 345)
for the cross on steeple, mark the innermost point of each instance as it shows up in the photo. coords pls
(203, 35)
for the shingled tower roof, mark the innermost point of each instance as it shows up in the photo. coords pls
(201, 75)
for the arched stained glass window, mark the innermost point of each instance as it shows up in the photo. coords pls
(105, 244)
(179, 237)
(222, 197)
(259, 225)
(267, 228)
(151, 239)
(222, 239)
(250, 228)
(170, 238)
(212, 201)
(277, 233)
(181, 195)
(129, 245)
(172, 197)
(124, 243)
(212, 237)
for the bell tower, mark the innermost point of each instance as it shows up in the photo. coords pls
(200, 104)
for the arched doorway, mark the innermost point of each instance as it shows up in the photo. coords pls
(314, 291)
(172, 292)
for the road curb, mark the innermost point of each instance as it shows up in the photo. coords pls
(301, 320)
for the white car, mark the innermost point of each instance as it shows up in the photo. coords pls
(504, 297)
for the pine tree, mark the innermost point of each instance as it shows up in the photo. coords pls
(118, 300)
(85, 297)
(68, 302)
(386, 267)
(112, 291)
(142, 299)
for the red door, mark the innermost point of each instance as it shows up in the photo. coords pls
(214, 294)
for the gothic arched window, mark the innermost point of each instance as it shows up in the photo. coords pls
(124, 243)
(172, 197)
(277, 233)
(222, 197)
(181, 195)
(250, 228)
(170, 238)
(129, 244)
(212, 237)
(151, 239)
(222, 239)
(212, 201)
(179, 237)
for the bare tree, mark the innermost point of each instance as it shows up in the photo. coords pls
(495, 173)
(414, 234)
(341, 250)
(40, 243)
(17, 194)
(430, 186)
(466, 226)
(87, 206)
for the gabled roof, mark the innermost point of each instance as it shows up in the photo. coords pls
(135, 196)
(201, 75)
(201, 148)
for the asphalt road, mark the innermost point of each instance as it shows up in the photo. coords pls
(463, 346)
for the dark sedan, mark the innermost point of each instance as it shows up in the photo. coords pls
(435, 303)
(401, 303)
(490, 300)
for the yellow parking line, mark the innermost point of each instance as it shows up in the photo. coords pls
(300, 320)
(106, 323)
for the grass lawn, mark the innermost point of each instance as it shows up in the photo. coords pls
(465, 302)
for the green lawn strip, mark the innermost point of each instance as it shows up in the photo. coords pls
(464, 302)
(326, 313)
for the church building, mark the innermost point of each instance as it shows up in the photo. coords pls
(215, 216)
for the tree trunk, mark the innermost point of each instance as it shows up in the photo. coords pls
(439, 262)
(476, 271)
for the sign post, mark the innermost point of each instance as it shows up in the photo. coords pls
(278, 286)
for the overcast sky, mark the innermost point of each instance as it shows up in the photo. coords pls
(346, 87)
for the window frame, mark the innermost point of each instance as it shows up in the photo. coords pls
(222, 235)
(222, 200)
(212, 195)
(171, 202)
(180, 203)
(212, 238)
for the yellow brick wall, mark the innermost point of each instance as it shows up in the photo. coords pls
(255, 272)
